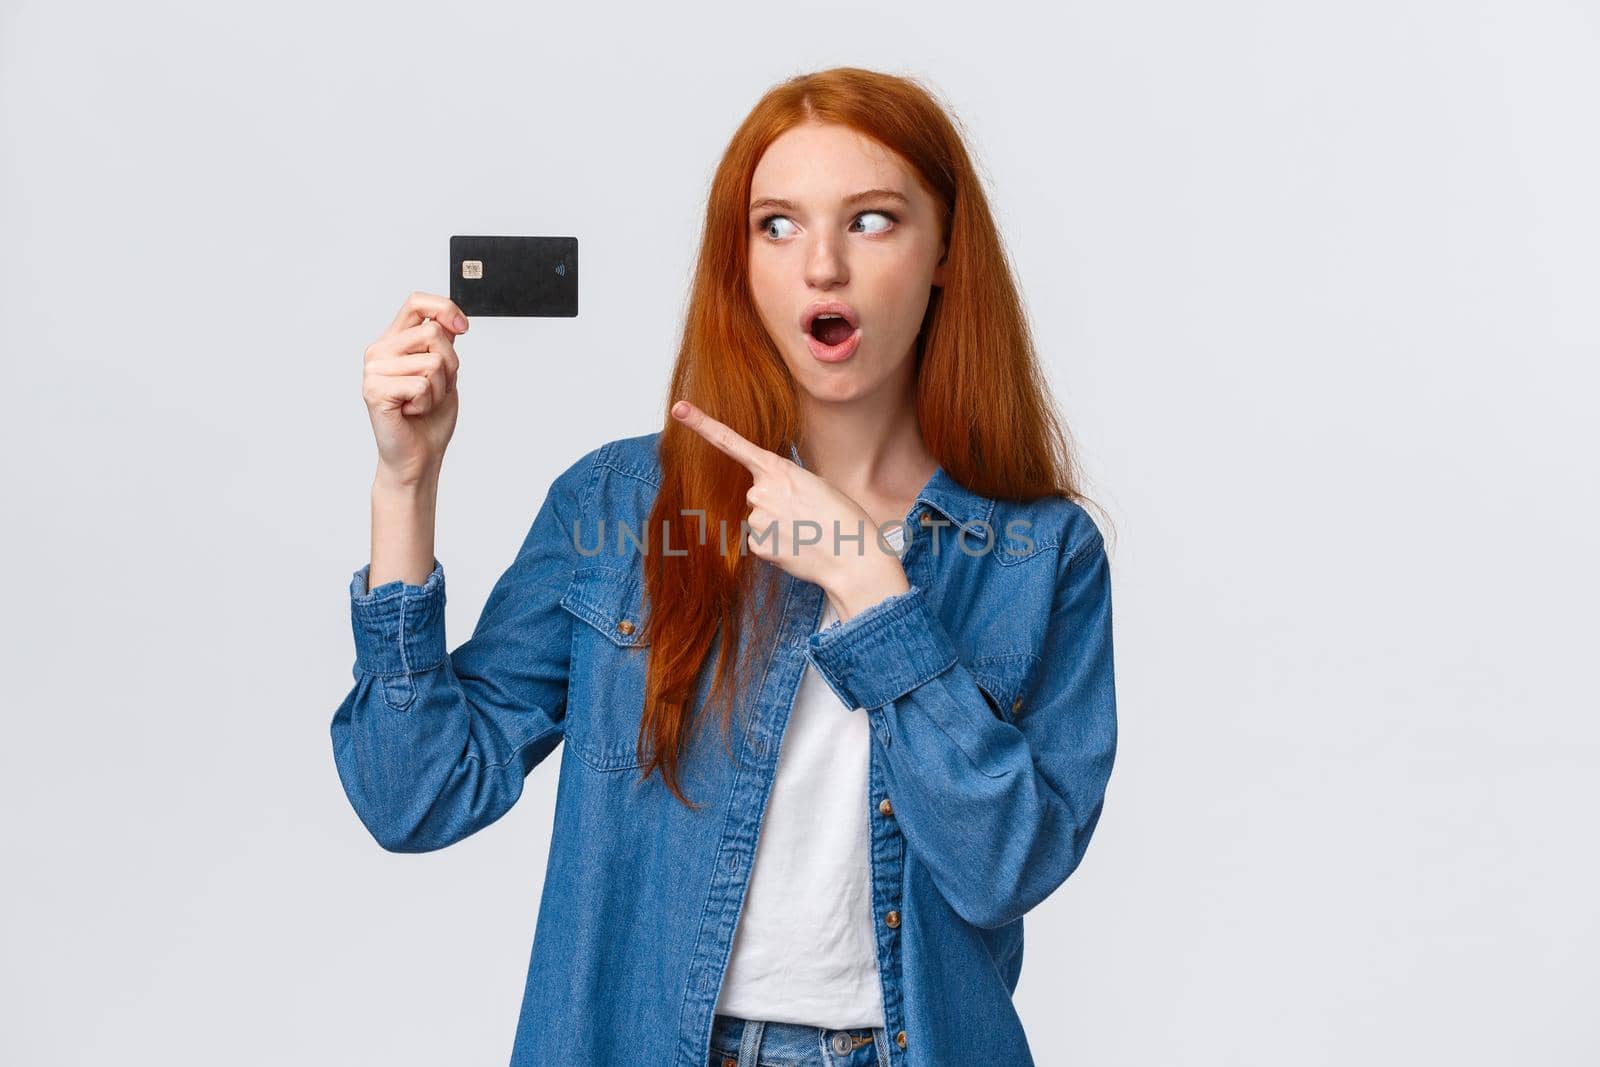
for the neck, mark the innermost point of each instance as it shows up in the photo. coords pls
(870, 450)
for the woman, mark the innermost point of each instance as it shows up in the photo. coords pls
(857, 544)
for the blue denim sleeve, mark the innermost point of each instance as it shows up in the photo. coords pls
(1000, 812)
(432, 746)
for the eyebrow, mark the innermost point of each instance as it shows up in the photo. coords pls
(865, 194)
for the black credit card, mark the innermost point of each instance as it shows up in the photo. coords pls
(526, 276)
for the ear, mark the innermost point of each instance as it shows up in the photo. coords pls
(939, 271)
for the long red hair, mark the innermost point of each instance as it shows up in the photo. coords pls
(983, 402)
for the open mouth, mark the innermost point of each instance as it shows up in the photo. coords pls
(831, 330)
(833, 343)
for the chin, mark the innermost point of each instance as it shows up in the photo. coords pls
(841, 389)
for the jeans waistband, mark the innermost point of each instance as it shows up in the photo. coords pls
(756, 1043)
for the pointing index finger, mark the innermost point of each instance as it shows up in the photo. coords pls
(726, 440)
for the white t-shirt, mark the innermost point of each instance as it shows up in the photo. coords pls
(804, 951)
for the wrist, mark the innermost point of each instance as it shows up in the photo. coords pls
(857, 589)
(397, 486)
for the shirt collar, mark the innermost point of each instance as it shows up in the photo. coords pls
(955, 501)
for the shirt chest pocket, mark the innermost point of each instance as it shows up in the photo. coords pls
(1001, 678)
(605, 688)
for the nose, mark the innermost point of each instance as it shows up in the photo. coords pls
(825, 263)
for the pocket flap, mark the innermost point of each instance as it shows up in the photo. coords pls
(610, 600)
(1000, 679)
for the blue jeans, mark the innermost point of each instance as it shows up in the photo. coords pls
(753, 1043)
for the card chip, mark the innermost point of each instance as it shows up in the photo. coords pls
(472, 268)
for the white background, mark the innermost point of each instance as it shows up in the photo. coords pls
(1317, 287)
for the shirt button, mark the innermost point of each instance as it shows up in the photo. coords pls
(927, 519)
(884, 807)
(900, 1039)
(1016, 705)
(841, 1042)
(729, 1063)
(893, 918)
(625, 627)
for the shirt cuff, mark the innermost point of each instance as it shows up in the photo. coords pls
(398, 628)
(884, 652)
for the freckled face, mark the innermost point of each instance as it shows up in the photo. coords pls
(881, 254)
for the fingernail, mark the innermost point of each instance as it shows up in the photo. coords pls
(680, 409)
(461, 324)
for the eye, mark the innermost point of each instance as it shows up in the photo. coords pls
(767, 222)
(880, 214)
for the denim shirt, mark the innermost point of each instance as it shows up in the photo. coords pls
(988, 687)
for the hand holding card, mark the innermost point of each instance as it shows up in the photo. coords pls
(408, 383)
